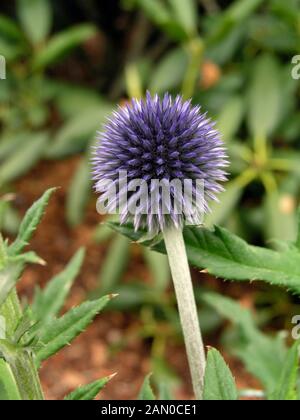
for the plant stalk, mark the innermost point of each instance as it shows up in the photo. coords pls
(20, 360)
(195, 50)
(187, 307)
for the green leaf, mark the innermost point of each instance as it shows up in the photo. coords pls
(24, 158)
(8, 387)
(225, 255)
(169, 72)
(219, 384)
(88, 392)
(241, 9)
(274, 207)
(10, 50)
(9, 29)
(232, 311)
(114, 265)
(298, 231)
(2, 328)
(286, 389)
(9, 219)
(230, 118)
(162, 16)
(79, 193)
(61, 44)
(76, 133)
(60, 332)
(71, 100)
(262, 355)
(48, 302)
(8, 279)
(36, 19)
(3, 250)
(132, 296)
(264, 97)
(228, 200)
(159, 267)
(165, 393)
(30, 223)
(234, 15)
(103, 232)
(186, 14)
(11, 142)
(146, 393)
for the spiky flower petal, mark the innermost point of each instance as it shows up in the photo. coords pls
(159, 139)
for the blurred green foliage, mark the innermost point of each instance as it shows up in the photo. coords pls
(68, 67)
(235, 60)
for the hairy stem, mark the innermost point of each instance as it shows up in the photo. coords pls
(187, 307)
(20, 360)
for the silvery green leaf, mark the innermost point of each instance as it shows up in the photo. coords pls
(219, 384)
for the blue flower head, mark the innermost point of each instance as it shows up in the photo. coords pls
(159, 139)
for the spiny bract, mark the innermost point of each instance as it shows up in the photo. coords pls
(162, 139)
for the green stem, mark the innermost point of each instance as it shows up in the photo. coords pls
(195, 50)
(20, 360)
(187, 307)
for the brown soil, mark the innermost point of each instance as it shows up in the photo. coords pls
(91, 356)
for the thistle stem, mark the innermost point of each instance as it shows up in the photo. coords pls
(187, 307)
(20, 360)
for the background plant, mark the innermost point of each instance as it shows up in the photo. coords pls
(237, 57)
(30, 335)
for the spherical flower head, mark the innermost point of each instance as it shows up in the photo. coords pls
(166, 145)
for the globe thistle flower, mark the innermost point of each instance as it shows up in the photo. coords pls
(161, 140)
(164, 140)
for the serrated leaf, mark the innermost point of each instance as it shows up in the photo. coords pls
(88, 392)
(30, 223)
(8, 387)
(225, 255)
(146, 393)
(8, 279)
(62, 43)
(48, 302)
(27, 258)
(219, 384)
(286, 389)
(36, 18)
(60, 332)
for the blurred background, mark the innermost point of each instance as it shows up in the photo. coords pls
(68, 64)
